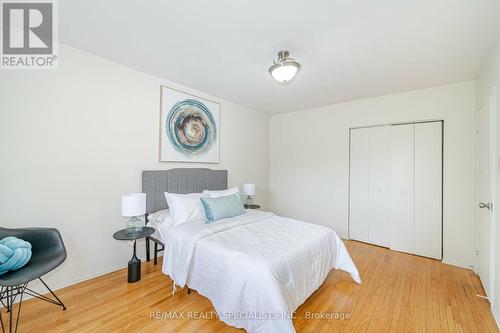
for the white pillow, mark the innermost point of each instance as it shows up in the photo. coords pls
(222, 193)
(185, 208)
(160, 216)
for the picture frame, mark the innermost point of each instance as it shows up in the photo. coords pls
(189, 128)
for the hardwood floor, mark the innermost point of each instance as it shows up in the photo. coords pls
(399, 293)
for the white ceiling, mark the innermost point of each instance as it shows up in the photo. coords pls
(349, 49)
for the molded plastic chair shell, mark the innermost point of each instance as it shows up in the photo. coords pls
(48, 253)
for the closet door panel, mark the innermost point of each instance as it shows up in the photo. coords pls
(428, 189)
(379, 228)
(359, 214)
(402, 188)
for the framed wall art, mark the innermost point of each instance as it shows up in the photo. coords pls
(190, 128)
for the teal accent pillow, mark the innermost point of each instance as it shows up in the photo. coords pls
(222, 207)
(14, 254)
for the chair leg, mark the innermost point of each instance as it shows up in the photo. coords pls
(1, 322)
(18, 310)
(156, 253)
(58, 300)
(9, 295)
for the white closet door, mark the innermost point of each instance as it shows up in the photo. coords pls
(379, 186)
(428, 189)
(359, 214)
(402, 188)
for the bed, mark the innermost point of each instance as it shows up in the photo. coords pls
(180, 180)
(256, 268)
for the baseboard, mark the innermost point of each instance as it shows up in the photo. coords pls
(496, 316)
(90, 276)
(59, 286)
(100, 273)
(42, 290)
(453, 263)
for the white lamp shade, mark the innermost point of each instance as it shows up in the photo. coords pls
(284, 73)
(133, 204)
(248, 189)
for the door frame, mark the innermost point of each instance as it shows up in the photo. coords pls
(491, 100)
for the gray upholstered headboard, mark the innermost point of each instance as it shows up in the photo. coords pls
(155, 183)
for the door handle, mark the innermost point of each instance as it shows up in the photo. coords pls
(488, 205)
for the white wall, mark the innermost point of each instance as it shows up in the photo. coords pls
(310, 159)
(489, 79)
(72, 140)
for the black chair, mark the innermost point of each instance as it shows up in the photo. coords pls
(48, 252)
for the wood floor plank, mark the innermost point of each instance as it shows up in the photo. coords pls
(399, 293)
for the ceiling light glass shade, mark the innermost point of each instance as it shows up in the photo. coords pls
(285, 69)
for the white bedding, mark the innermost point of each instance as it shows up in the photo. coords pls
(256, 268)
(157, 226)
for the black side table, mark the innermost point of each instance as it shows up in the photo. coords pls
(251, 206)
(134, 265)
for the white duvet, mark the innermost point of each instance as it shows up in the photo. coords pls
(256, 268)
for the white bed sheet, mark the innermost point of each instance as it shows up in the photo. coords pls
(256, 268)
(157, 226)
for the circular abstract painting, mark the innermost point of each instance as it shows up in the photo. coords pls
(190, 127)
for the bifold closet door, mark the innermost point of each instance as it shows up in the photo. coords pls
(369, 185)
(402, 164)
(379, 186)
(428, 189)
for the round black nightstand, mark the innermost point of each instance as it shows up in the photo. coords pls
(134, 265)
(251, 206)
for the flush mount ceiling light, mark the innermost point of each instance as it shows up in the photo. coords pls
(284, 69)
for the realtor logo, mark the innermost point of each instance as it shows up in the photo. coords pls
(28, 34)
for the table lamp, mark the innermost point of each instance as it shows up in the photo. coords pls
(249, 191)
(134, 206)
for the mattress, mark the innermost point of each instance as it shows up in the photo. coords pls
(157, 226)
(256, 268)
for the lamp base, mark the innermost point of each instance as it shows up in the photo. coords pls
(248, 200)
(134, 225)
